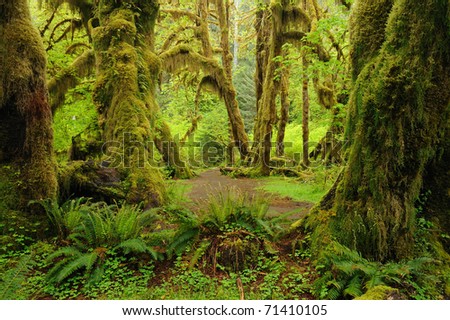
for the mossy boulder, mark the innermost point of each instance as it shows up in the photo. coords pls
(380, 293)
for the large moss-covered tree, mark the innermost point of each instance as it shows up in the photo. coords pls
(26, 136)
(397, 128)
(127, 69)
(130, 123)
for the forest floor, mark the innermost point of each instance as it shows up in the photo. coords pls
(212, 183)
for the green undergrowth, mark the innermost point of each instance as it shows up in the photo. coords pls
(232, 249)
(344, 274)
(310, 187)
(229, 251)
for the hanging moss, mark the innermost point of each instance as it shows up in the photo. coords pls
(25, 115)
(182, 56)
(326, 94)
(69, 78)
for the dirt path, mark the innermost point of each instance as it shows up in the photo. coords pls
(212, 182)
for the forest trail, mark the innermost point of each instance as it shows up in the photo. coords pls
(212, 182)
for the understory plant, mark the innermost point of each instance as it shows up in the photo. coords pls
(344, 273)
(229, 232)
(92, 232)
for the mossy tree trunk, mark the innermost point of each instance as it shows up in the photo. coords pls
(305, 113)
(26, 136)
(397, 125)
(262, 27)
(280, 22)
(267, 113)
(237, 123)
(284, 111)
(127, 69)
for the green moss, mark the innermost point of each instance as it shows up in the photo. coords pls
(368, 24)
(124, 94)
(26, 114)
(399, 110)
(379, 293)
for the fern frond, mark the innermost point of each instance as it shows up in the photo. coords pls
(146, 219)
(133, 246)
(333, 294)
(182, 240)
(64, 252)
(12, 279)
(84, 261)
(376, 279)
(202, 248)
(354, 287)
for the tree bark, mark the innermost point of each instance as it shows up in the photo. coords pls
(262, 26)
(305, 114)
(398, 120)
(284, 111)
(237, 124)
(127, 70)
(26, 136)
(267, 115)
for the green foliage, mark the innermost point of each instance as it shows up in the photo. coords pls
(74, 117)
(270, 278)
(13, 278)
(244, 82)
(230, 232)
(94, 232)
(345, 274)
(311, 187)
(66, 217)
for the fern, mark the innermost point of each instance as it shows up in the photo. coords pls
(73, 261)
(182, 240)
(66, 217)
(133, 246)
(351, 273)
(12, 280)
(97, 229)
(233, 229)
(353, 287)
(204, 245)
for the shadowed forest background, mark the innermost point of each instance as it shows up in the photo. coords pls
(218, 149)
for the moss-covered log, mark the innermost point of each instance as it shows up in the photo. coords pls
(397, 125)
(127, 71)
(26, 136)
